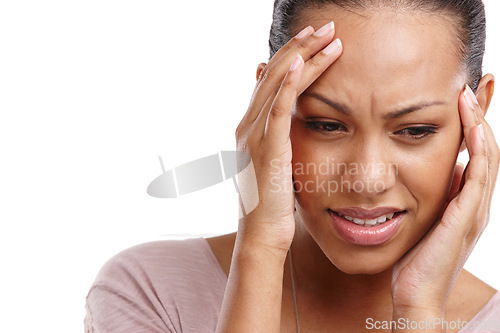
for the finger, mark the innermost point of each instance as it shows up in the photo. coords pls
(465, 213)
(277, 131)
(467, 115)
(493, 158)
(470, 111)
(299, 37)
(312, 70)
(319, 63)
(492, 150)
(273, 74)
(284, 49)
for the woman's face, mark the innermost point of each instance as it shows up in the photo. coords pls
(378, 133)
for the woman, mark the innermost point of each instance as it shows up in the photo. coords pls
(364, 220)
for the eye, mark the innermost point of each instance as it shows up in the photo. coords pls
(418, 132)
(326, 127)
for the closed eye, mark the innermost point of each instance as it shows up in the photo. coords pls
(417, 132)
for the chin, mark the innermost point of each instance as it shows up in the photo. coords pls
(367, 263)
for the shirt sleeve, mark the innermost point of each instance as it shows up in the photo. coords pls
(173, 286)
(111, 311)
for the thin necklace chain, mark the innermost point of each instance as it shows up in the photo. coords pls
(294, 293)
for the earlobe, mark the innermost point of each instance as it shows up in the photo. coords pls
(259, 70)
(484, 92)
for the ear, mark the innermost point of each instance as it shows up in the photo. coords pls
(484, 94)
(259, 70)
(484, 91)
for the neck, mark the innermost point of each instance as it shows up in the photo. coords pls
(322, 283)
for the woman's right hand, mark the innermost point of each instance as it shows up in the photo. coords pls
(253, 296)
(264, 133)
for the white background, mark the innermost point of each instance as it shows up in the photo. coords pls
(91, 92)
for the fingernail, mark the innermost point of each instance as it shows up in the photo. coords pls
(472, 95)
(481, 131)
(325, 29)
(304, 32)
(471, 98)
(296, 62)
(333, 47)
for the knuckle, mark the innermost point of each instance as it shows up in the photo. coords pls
(481, 182)
(237, 133)
(263, 72)
(288, 45)
(287, 83)
(314, 62)
(275, 111)
(269, 74)
(302, 46)
(496, 154)
(453, 225)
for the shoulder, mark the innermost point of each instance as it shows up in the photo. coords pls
(158, 282)
(472, 299)
(166, 264)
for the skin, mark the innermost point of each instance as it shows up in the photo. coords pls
(416, 175)
(417, 273)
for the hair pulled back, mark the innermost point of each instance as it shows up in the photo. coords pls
(468, 17)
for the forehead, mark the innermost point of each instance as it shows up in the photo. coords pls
(390, 54)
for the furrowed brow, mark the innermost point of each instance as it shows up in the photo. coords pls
(342, 108)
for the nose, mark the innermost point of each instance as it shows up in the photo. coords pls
(369, 169)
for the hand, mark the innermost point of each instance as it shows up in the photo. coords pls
(264, 133)
(424, 277)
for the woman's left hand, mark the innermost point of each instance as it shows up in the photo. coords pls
(424, 277)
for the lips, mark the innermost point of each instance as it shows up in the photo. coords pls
(367, 226)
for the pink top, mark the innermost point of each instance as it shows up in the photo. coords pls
(178, 286)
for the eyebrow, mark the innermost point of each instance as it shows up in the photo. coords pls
(342, 108)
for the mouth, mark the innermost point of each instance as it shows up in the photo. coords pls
(367, 227)
(373, 221)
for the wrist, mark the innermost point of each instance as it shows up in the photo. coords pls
(256, 234)
(259, 249)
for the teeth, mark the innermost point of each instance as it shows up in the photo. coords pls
(369, 223)
(358, 221)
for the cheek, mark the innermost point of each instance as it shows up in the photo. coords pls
(307, 156)
(316, 168)
(428, 172)
(424, 172)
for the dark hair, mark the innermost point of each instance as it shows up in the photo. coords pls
(468, 17)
